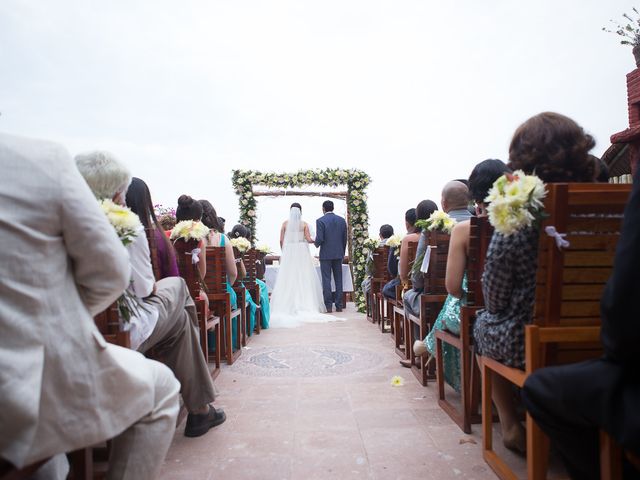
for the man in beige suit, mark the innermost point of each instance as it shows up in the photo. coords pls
(62, 387)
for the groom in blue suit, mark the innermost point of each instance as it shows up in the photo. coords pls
(331, 237)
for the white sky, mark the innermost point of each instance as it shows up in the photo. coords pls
(414, 92)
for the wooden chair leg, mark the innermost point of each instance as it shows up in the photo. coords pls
(228, 335)
(81, 464)
(440, 369)
(537, 451)
(218, 355)
(610, 458)
(487, 412)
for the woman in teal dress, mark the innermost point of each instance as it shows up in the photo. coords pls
(217, 239)
(480, 181)
(242, 231)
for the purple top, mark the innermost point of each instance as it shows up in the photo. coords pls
(167, 264)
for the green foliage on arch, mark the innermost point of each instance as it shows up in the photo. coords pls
(356, 182)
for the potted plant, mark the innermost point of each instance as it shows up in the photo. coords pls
(630, 32)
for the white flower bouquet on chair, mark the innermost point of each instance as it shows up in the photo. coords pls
(515, 202)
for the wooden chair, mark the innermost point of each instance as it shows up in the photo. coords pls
(207, 321)
(431, 301)
(220, 302)
(611, 457)
(85, 463)
(9, 472)
(378, 280)
(108, 323)
(250, 260)
(479, 238)
(403, 348)
(566, 318)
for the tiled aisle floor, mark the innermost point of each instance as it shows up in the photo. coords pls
(316, 402)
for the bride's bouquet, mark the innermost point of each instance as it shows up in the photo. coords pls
(127, 225)
(515, 202)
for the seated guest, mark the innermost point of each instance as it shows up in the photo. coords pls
(556, 149)
(190, 209)
(167, 221)
(235, 271)
(389, 290)
(572, 403)
(242, 231)
(480, 182)
(455, 200)
(238, 231)
(167, 321)
(62, 387)
(385, 232)
(602, 170)
(139, 201)
(453, 194)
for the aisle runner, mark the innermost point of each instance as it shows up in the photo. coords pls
(306, 361)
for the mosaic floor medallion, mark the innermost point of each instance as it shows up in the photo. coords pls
(305, 361)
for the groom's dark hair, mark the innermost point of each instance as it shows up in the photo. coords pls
(296, 205)
(327, 206)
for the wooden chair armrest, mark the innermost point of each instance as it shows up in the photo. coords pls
(432, 298)
(514, 375)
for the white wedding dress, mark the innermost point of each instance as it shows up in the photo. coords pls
(297, 294)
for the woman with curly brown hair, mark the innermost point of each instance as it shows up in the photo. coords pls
(556, 149)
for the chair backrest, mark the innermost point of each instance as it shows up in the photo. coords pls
(249, 259)
(412, 248)
(570, 280)
(187, 269)
(480, 232)
(380, 259)
(434, 279)
(215, 278)
(108, 323)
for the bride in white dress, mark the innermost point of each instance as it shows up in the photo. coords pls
(297, 294)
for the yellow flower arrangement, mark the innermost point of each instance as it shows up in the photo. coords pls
(124, 221)
(394, 241)
(189, 230)
(438, 220)
(266, 249)
(241, 243)
(515, 202)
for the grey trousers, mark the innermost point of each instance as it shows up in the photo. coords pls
(411, 301)
(176, 342)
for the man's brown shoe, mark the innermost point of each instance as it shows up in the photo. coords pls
(405, 363)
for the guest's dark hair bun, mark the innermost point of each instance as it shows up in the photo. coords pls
(185, 201)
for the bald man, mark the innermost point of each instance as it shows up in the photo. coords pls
(455, 202)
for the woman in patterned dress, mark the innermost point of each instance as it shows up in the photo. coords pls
(556, 149)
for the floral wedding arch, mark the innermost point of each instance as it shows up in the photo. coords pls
(356, 182)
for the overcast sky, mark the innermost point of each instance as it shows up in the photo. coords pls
(415, 92)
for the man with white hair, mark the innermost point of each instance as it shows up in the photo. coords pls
(167, 320)
(62, 387)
